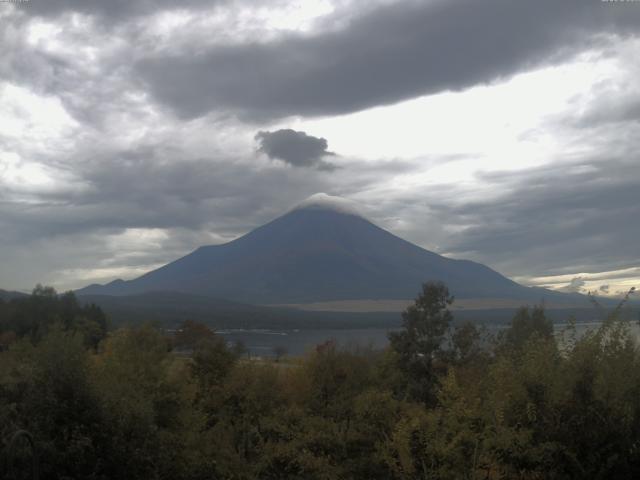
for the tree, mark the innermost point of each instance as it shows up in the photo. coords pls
(418, 345)
(55, 401)
(147, 403)
(279, 351)
(37, 314)
(525, 324)
(466, 343)
(239, 348)
(190, 334)
(210, 365)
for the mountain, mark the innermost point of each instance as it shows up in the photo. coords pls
(8, 295)
(170, 308)
(322, 250)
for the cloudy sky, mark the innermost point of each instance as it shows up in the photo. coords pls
(131, 132)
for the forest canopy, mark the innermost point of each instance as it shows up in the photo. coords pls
(442, 401)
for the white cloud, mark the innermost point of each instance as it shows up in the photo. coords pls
(100, 180)
(493, 125)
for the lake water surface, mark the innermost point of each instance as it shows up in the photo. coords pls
(262, 342)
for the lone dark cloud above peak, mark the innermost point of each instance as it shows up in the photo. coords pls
(295, 148)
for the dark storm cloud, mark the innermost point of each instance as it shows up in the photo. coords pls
(162, 187)
(89, 90)
(295, 148)
(391, 53)
(563, 218)
(558, 219)
(149, 189)
(194, 201)
(110, 9)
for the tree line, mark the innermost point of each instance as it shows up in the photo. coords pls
(443, 401)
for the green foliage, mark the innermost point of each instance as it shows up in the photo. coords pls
(526, 323)
(32, 317)
(440, 402)
(47, 390)
(418, 345)
(444, 442)
(467, 344)
(190, 334)
(146, 403)
(211, 363)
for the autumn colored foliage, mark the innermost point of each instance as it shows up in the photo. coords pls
(442, 401)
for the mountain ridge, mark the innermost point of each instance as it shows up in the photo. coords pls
(7, 295)
(321, 250)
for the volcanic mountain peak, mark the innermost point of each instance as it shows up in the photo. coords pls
(323, 201)
(322, 250)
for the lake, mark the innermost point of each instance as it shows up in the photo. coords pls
(262, 342)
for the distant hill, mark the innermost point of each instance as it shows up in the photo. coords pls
(323, 250)
(170, 308)
(8, 295)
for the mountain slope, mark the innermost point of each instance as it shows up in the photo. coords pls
(171, 308)
(319, 251)
(8, 295)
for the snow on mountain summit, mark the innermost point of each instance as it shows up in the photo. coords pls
(323, 201)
